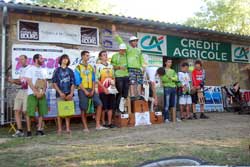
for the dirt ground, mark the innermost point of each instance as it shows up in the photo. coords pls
(223, 139)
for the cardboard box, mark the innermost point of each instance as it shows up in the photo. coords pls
(156, 117)
(124, 120)
(139, 106)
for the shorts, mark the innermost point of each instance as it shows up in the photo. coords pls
(151, 71)
(83, 100)
(20, 103)
(195, 98)
(108, 101)
(34, 103)
(135, 76)
(185, 99)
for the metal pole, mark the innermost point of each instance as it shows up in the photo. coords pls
(3, 53)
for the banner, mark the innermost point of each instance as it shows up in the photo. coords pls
(213, 96)
(153, 60)
(34, 31)
(152, 43)
(240, 54)
(51, 56)
(108, 41)
(179, 47)
(142, 118)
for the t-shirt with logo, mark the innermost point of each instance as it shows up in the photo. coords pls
(64, 78)
(22, 71)
(185, 80)
(105, 74)
(134, 55)
(84, 75)
(120, 60)
(169, 79)
(34, 73)
(198, 77)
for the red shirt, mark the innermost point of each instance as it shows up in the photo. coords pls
(197, 77)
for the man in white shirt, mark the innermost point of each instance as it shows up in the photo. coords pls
(36, 78)
(184, 91)
(20, 103)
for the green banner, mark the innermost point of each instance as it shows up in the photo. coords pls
(179, 47)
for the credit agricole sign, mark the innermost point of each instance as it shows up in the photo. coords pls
(179, 47)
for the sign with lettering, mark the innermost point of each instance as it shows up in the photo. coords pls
(51, 56)
(179, 47)
(36, 31)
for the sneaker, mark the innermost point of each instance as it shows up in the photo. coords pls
(39, 133)
(101, 128)
(190, 118)
(121, 105)
(178, 120)
(203, 116)
(111, 126)
(195, 116)
(19, 133)
(105, 125)
(167, 121)
(29, 134)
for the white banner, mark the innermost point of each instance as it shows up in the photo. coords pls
(51, 56)
(240, 54)
(142, 118)
(152, 43)
(35, 31)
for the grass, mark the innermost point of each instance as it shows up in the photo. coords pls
(123, 147)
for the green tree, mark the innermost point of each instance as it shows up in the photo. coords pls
(87, 5)
(223, 15)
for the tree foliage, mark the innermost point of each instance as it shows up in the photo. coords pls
(223, 15)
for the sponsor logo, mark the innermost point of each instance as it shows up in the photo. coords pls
(28, 31)
(241, 54)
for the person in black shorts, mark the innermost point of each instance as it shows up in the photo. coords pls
(105, 79)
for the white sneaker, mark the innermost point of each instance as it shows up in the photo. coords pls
(121, 105)
(178, 120)
(18, 134)
(101, 128)
(167, 121)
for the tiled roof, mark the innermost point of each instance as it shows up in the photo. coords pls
(119, 19)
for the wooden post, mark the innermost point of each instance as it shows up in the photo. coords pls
(128, 105)
(173, 114)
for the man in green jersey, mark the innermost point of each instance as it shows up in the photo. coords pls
(120, 63)
(136, 63)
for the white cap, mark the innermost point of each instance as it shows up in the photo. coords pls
(133, 38)
(122, 46)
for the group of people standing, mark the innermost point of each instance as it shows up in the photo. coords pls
(125, 73)
(188, 88)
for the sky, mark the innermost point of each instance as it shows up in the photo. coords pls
(173, 11)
